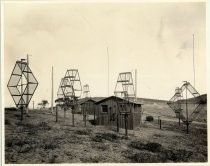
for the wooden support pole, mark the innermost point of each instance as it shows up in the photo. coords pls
(117, 120)
(179, 121)
(56, 116)
(187, 127)
(21, 117)
(160, 123)
(126, 124)
(85, 119)
(94, 116)
(64, 112)
(73, 117)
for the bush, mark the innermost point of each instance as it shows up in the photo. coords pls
(97, 138)
(149, 118)
(151, 146)
(49, 144)
(110, 136)
(92, 122)
(137, 145)
(100, 146)
(145, 157)
(43, 126)
(83, 132)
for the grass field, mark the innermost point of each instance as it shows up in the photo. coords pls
(39, 139)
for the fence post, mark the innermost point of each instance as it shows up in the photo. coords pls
(126, 125)
(160, 123)
(21, 116)
(64, 112)
(56, 116)
(73, 117)
(85, 117)
(187, 127)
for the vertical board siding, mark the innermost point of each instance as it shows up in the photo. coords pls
(105, 118)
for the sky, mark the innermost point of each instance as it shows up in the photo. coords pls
(154, 38)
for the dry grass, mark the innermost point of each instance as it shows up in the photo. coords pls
(39, 139)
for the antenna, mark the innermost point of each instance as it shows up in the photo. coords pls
(108, 67)
(86, 91)
(193, 62)
(135, 84)
(52, 93)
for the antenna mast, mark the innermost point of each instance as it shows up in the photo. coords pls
(193, 62)
(108, 67)
(52, 92)
(135, 84)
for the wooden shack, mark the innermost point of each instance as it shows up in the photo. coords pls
(88, 106)
(107, 111)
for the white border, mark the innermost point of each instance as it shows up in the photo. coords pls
(99, 1)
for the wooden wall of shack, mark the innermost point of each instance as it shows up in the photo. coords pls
(110, 118)
(88, 107)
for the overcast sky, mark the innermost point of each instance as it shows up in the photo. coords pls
(154, 38)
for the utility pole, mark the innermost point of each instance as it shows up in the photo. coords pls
(136, 85)
(27, 87)
(193, 62)
(187, 118)
(21, 118)
(52, 93)
(27, 99)
(108, 68)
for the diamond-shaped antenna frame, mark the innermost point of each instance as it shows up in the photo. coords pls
(22, 84)
(186, 109)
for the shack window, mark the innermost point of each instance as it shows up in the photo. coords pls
(104, 108)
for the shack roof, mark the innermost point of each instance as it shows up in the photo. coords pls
(116, 98)
(93, 99)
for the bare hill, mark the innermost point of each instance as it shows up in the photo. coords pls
(160, 108)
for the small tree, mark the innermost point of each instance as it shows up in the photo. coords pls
(43, 103)
(149, 118)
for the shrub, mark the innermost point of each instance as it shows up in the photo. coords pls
(92, 122)
(153, 147)
(110, 136)
(100, 146)
(144, 157)
(97, 138)
(49, 144)
(82, 132)
(43, 126)
(149, 118)
(137, 145)
(52, 159)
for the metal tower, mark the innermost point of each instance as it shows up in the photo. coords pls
(124, 89)
(86, 91)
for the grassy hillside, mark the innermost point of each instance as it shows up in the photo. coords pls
(160, 108)
(39, 139)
